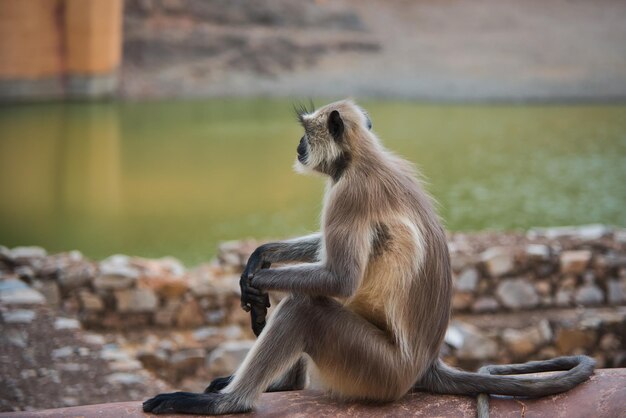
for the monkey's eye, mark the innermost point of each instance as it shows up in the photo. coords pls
(369, 123)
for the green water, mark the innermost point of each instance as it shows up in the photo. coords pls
(175, 178)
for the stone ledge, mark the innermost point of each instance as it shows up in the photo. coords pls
(601, 396)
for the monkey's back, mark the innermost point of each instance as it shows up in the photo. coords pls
(406, 288)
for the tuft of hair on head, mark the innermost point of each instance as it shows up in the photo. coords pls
(301, 109)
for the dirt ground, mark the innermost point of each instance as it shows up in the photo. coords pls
(43, 367)
(454, 50)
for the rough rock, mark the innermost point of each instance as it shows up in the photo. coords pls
(66, 323)
(592, 232)
(113, 282)
(205, 333)
(213, 334)
(498, 261)
(125, 320)
(228, 356)
(24, 255)
(111, 352)
(470, 342)
(523, 342)
(77, 273)
(517, 294)
(69, 401)
(233, 255)
(116, 272)
(19, 316)
(584, 232)
(485, 304)
(545, 353)
(166, 266)
(589, 294)
(25, 272)
(543, 287)
(575, 262)
(610, 261)
(201, 279)
(166, 286)
(616, 291)
(462, 300)
(125, 379)
(189, 315)
(231, 332)
(5, 254)
(568, 282)
(62, 352)
(229, 254)
(16, 292)
(538, 251)
(125, 365)
(609, 342)
(166, 314)
(467, 280)
(94, 339)
(165, 276)
(458, 260)
(73, 367)
(187, 361)
(569, 341)
(50, 290)
(90, 302)
(136, 300)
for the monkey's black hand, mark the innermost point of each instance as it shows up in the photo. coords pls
(252, 296)
(255, 262)
(258, 317)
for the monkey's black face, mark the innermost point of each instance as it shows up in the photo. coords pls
(302, 151)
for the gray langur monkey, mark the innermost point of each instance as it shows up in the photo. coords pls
(369, 301)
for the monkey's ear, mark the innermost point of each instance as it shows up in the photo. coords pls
(335, 125)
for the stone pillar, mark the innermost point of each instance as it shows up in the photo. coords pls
(52, 49)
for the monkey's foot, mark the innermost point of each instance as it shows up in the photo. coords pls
(192, 403)
(218, 384)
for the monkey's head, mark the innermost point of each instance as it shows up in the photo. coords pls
(334, 136)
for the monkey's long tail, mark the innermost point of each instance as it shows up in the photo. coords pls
(490, 380)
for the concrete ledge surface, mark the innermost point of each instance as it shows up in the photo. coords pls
(602, 396)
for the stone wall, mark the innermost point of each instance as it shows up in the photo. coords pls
(549, 268)
(518, 297)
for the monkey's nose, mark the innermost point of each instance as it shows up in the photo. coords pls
(302, 151)
(302, 148)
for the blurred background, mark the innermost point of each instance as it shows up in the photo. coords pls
(162, 128)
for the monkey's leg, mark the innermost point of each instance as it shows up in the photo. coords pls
(357, 359)
(278, 348)
(294, 379)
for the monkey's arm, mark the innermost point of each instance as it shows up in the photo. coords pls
(347, 251)
(304, 249)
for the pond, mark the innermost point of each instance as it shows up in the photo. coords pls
(175, 178)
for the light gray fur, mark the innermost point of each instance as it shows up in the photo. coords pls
(304, 249)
